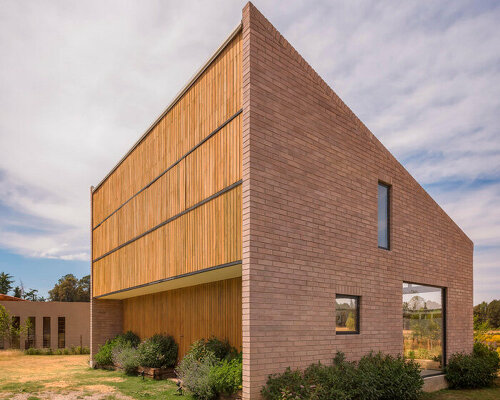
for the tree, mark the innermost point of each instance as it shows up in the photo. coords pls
(6, 282)
(10, 330)
(481, 313)
(17, 292)
(32, 295)
(493, 313)
(69, 288)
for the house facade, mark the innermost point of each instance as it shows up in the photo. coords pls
(260, 209)
(53, 324)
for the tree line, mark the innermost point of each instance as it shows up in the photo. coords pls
(487, 315)
(67, 288)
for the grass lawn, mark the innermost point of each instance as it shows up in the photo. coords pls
(69, 377)
(492, 393)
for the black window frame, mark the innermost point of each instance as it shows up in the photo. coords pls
(30, 340)
(358, 314)
(389, 200)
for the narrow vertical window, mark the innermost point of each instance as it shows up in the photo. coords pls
(46, 332)
(61, 332)
(383, 216)
(30, 341)
(14, 340)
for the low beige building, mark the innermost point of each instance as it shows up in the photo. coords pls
(54, 324)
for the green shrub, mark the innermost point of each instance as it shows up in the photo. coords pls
(226, 376)
(374, 377)
(158, 351)
(104, 356)
(195, 374)
(386, 377)
(476, 370)
(126, 357)
(131, 338)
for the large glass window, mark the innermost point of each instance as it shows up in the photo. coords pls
(347, 314)
(30, 334)
(423, 326)
(61, 332)
(383, 216)
(46, 332)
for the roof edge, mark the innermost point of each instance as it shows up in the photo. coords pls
(176, 99)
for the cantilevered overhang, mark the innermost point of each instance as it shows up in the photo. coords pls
(212, 274)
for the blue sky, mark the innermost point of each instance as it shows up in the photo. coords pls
(81, 81)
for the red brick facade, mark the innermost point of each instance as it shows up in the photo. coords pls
(106, 321)
(310, 176)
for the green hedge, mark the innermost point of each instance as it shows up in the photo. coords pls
(73, 350)
(104, 356)
(374, 377)
(476, 370)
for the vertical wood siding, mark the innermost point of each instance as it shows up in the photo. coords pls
(125, 207)
(188, 314)
(211, 101)
(207, 236)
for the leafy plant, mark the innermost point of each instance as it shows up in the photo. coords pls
(195, 374)
(126, 358)
(158, 351)
(226, 376)
(104, 356)
(374, 377)
(475, 370)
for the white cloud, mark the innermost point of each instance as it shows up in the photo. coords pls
(81, 81)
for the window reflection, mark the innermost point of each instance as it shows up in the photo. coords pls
(347, 314)
(423, 325)
(383, 216)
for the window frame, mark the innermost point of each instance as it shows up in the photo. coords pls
(389, 201)
(358, 314)
(61, 332)
(46, 333)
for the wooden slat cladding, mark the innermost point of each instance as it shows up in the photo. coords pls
(188, 314)
(204, 237)
(210, 168)
(211, 101)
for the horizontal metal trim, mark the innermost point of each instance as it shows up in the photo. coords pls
(176, 99)
(230, 264)
(226, 189)
(172, 166)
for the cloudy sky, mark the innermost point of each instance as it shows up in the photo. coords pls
(81, 81)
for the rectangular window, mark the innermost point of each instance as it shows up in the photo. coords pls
(346, 314)
(30, 341)
(424, 320)
(61, 332)
(383, 216)
(14, 341)
(46, 332)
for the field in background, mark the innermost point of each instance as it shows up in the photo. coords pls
(24, 377)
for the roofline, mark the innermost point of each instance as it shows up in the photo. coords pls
(174, 101)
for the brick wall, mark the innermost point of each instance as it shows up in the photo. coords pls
(106, 322)
(310, 171)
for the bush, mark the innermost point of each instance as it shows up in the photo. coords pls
(105, 354)
(374, 377)
(127, 358)
(195, 375)
(226, 376)
(49, 352)
(158, 351)
(476, 370)
(211, 367)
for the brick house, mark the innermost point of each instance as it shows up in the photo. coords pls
(259, 208)
(54, 324)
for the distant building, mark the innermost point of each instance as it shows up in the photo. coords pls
(54, 324)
